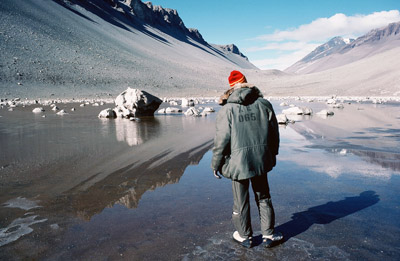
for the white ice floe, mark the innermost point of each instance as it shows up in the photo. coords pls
(208, 109)
(38, 110)
(62, 112)
(192, 111)
(293, 111)
(307, 111)
(18, 228)
(172, 110)
(73, 109)
(187, 102)
(325, 113)
(338, 106)
(284, 104)
(55, 108)
(282, 119)
(169, 110)
(297, 111)
(204, 113)
(331, 101)
(22, 203)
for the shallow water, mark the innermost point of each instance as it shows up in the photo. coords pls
(75, 187)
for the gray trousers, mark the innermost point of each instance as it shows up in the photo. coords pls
(241, 206)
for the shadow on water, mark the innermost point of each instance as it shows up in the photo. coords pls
(325, 214)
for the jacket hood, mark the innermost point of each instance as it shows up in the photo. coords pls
(242, 93)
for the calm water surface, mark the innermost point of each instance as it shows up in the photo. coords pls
(75, 187)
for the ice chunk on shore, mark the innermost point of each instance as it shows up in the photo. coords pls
(297, 111)
(172, 110)
(192, 111)
(38, 110)
(326, 113)
(208, 109)
(293, 111)
(187, 102)
(307, 111)
(62, 112)
(338, 106)
(282, 119)
(331, 101)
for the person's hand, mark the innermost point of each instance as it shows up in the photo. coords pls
(216, 175)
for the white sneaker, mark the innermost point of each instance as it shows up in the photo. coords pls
(274, 237)
(246, 242)
(237, 237)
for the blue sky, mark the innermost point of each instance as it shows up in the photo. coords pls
(276, 34)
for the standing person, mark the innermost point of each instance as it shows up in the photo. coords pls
(245, 147)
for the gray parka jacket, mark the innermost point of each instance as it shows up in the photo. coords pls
(247, 135)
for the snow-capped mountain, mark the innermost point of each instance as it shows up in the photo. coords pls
(89, 47)
(379, 36)
(326, 49)
(337, 52)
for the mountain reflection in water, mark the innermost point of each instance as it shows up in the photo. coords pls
(127, 185)
(370, 133)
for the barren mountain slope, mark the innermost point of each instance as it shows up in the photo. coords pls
(375, 42)
(80, 48)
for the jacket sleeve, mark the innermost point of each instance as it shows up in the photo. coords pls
(222, 140)
(273, 135)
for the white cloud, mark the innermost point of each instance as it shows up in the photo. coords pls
(283, 46)
(293, 44)
(337, 25)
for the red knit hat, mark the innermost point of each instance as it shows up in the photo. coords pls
(236, 77)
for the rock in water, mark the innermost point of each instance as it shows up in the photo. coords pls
(136, 103)
(187, 102)
(293, 111)
(107, 113)
(282, 119)
(192, 112)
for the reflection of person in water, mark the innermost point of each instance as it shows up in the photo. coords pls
(245, 148)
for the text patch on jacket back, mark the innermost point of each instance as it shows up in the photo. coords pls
(245, 114)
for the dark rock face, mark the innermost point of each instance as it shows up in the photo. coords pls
(158, 16)
(232, 49)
